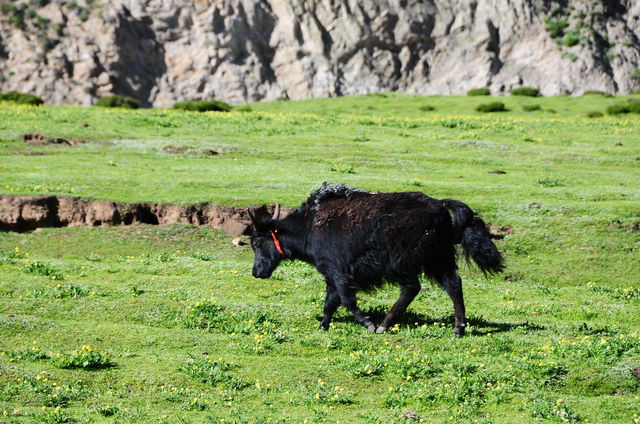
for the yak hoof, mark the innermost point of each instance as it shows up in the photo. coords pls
(371, 327)
(381, 330)
(458, 332)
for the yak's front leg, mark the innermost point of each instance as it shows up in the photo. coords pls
(408, 292)
(331, 303)
(348, 299)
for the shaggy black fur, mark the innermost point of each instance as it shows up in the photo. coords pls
(357, 240)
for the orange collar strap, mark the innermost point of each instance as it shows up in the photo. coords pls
(277, 243)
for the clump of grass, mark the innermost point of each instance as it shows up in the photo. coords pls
(479, 92)
(595, 114)
(87, 358)
(43, 269)
(531, 108)
(108, 411)
(556, 28)
(205, 314)
(525, 91)
(426, 108)
(550, 182)
(491, 107)
(34, 353)
(330, 395)
(634, 107)
(118, 101)
(21, 98)
(617, 109)
(212, 371)
(203, 106)
(571, 39)
(70, 290)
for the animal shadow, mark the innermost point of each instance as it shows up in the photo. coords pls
(478, 325)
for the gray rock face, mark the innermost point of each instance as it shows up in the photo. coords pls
(163, 51)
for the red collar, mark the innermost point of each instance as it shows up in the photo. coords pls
(277, 243)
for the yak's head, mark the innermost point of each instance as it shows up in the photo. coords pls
(264, 242)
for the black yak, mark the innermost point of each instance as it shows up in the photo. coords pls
(357, 240)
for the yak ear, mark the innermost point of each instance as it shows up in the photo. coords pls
(254, 222)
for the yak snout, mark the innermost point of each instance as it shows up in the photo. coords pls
(261, 272)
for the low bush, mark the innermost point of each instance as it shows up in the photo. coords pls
(596, 93)
(634, 107)
(118, 101)
(525, 91)
(595, 114)
(427, 108)
(203, 106)
(491, 107)
(618, 109)
(479, 92)
(531, 108)
(571, 40)
(21, 98)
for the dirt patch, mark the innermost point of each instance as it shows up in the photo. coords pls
(629, 226)
(28, 213)
(198, 151)
(40, 139)
(500, 232)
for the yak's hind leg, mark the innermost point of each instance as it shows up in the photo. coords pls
(452, 283)
(409, 290)
(331, 303)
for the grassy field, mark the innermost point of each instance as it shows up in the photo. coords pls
(164, 324)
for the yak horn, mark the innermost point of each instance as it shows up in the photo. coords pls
(276, 212)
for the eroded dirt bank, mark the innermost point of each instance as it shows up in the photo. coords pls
(27, 213)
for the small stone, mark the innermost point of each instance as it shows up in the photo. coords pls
(238, 242)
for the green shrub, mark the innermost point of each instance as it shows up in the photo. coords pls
(634, 107)
(525, 91)
(87, 358)
(556, 28)
(531, 108)
(21, 98)
(595, 114)
(479, 92)
(491, 107)
(617, 109)
(203, 106)
(118, 101)
(596, 93)
(571, 40)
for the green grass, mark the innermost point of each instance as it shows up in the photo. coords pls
(175, 329)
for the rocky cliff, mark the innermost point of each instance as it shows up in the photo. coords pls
(163, 51)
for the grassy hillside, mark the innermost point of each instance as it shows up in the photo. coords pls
(174, 329)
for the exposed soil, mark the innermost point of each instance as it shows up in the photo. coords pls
(40, 139)
(499, 232)
(27, 213)
(187, 150)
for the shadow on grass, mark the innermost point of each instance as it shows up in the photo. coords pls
(478, 326)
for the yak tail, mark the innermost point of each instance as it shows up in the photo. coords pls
(471, 232)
